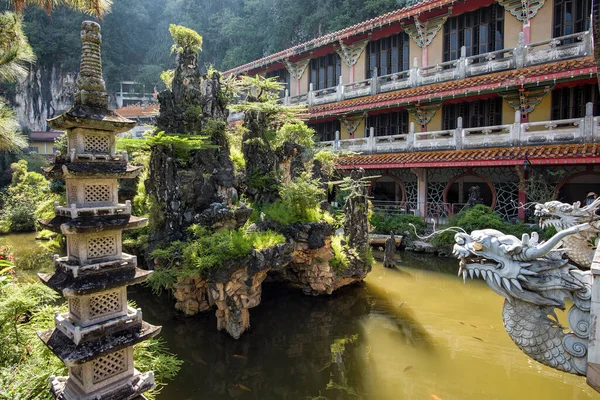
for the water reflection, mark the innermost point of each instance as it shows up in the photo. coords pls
(413, 333)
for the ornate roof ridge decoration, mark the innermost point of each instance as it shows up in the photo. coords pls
(505, 156)
(352, 121)
(296, 68)
(422, 113)
(522, 9)
(423, 33)
(525, 99)
(350, 53)
(362, 27)
(579, 68)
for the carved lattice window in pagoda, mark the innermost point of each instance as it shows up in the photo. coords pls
(96, 144)
(388, 124)
(475, 114)
(570, 102)
(389, 55)
(325, 71)
(102, 246)
(480, 31)
(571, 16)
(106, 303)
(325, 131)
(109, 366)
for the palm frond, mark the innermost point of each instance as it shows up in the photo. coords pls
(10, 137)
(97, 8)
(15, 51)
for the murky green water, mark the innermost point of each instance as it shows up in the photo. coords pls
(414, 333)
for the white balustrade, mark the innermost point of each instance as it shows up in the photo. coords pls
(435, 140)
(488, 136)
(560, 131)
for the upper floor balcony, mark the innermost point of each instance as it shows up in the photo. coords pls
(517, 134)
(556, 49)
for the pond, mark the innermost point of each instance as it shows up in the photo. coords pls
(416, 332)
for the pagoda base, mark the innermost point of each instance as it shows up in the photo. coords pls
(132, 387)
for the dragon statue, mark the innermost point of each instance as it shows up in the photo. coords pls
(579, 247)
(534, 279)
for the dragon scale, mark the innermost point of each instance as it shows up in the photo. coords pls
(535, 279)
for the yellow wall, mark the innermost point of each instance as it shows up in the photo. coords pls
(512, 28)
(435, 51)
(43, 147)
(542, 110)
(304, 81)
(541, 24)
(417, 126)
(436, 122)
(360, 68)
(508, 114)
(415, 52)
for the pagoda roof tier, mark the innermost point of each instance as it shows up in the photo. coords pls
(93, 170)
(97, 118)
(72, 354)
(67, 285)
(67, 226)
(506, 156)
(73, 268)
(567, 70)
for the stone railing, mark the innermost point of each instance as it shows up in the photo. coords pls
(576, 130)
(561, 48)
(74, 212)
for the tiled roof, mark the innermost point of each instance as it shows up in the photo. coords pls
(44, 136)
(137, 111)
(567, 69)
(416, 8)
(551, 154)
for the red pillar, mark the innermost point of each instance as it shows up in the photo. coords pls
(522, 192)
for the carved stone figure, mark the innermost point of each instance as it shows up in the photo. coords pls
(580, 247)
(534, 279)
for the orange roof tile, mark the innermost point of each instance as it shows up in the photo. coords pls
(538, 155)
(137, 111)
(568, 69)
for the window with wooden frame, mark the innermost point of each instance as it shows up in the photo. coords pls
(325, 131)
(389, 55)
(475, 114)
(325, 71)
(388, 124)
(480, 31)
(283, 77)
(571, 16)
(570, 102)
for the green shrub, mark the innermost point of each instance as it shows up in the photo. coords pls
(27, 192)
(295, 132)
(185, 39)
(302, 196)
(399, 224)
(339, 262)
(206, 251)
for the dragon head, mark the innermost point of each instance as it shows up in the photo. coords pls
(518, 269)
(562, 215)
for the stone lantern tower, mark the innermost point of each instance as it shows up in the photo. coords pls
(95, 337)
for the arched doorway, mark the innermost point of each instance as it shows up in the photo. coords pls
(577, 186)
(387, 189)
(456, 194)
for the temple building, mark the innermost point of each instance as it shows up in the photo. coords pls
(445, 98)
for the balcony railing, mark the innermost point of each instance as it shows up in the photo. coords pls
(561, 48)
(575, 130)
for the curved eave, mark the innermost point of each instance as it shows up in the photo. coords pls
(72, 354)
(68, 226)
(568, 154)
(91, 118)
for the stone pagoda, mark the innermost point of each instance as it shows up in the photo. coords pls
(95, 338)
